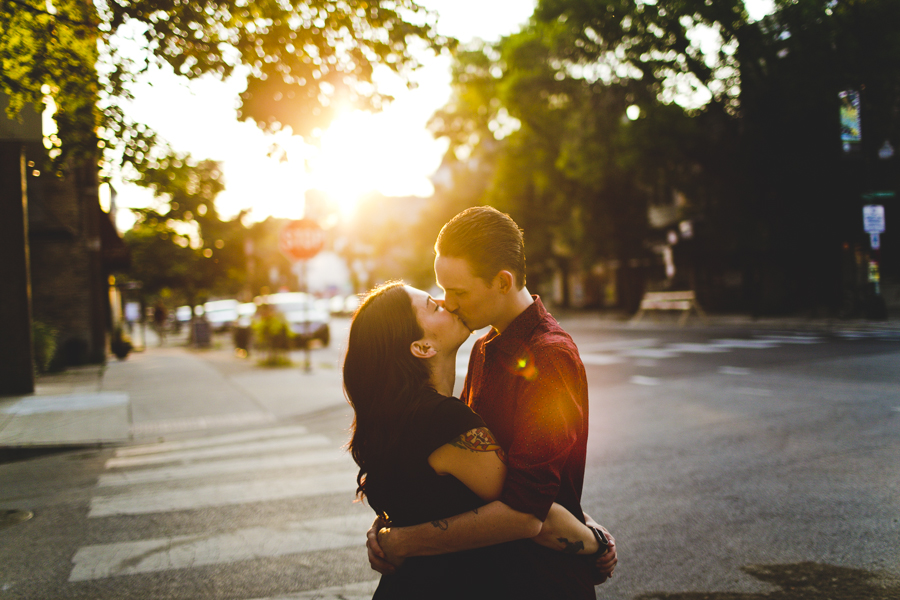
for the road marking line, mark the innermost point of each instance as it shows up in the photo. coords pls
(791, 339)
(216, 440)
(731, 343)
(200, 423)
(35, 405)
(617, 345)
(189, 551)
(650, 353)
(278, 444)
(601, 359)
(223, 494)
(641, 380)
(226, 467)
(734, 371)
(697, 348)
(646, 362)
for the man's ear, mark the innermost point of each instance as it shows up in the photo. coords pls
(422, 349)
(505, 281)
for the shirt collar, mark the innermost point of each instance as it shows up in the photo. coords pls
(515, 335)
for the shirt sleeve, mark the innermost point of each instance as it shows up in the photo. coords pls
(549, 419)
(449, 419)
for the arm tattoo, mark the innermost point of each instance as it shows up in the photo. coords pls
(441, 524)
(479, 440)
(570, 547)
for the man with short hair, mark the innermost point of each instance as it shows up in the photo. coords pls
(527, 382)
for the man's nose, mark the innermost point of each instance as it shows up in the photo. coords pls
(449, 306)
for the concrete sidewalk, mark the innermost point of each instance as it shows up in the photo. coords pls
(164, 391)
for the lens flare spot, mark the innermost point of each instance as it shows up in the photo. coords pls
(523, 366)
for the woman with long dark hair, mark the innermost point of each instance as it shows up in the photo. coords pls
(423, 455)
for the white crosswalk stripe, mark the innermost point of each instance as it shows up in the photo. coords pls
(248, 465)
(225, 494)
(214, 472)
(188, 551)
(276, 445)
(645, 352)
(218, 440)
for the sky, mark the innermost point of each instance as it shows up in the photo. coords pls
(390, 152)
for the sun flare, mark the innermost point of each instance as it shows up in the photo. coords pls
(363, 153)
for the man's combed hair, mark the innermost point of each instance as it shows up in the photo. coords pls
(489, 240)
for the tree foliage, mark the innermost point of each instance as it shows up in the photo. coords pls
(737, 131)
(303, 59)
(182, 243)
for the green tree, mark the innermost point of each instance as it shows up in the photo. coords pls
(182, 243)
(304, 60)
(572, 170)
(743, 131)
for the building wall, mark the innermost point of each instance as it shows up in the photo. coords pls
(67, 278)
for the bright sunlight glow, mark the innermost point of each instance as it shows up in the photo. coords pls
(362, 153)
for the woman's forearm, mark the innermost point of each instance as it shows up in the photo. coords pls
(562, 531)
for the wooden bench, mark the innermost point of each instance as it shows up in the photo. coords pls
(683, 301)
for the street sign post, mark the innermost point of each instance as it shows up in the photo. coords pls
(873, 218)
(875, 241)
(301, 240)
(298, 242)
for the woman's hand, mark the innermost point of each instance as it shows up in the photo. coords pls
(606, 563)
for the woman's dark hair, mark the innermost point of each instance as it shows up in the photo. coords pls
(382, 379)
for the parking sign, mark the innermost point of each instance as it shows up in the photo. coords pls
(873, 218)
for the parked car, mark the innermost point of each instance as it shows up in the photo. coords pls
(221, 314)
(307, 321)
(183, 314)
(245, 313)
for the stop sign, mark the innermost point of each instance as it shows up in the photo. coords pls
(301, 239)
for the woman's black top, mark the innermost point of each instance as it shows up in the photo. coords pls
(410, 493)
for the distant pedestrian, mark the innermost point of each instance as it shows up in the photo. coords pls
(160, 319)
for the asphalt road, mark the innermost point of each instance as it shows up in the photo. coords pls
(730, 464)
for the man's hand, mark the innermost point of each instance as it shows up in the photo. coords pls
(383, 540)
(377, 558)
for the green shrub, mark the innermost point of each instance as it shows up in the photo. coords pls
(272, 334)
(43, 339)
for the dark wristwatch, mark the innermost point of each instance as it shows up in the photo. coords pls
(602, 540)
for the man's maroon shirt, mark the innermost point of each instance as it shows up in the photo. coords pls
(529, 386)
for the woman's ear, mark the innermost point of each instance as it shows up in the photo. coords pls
(422, 349)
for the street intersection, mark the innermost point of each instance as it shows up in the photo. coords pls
(726, 460)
